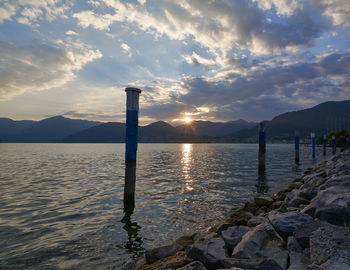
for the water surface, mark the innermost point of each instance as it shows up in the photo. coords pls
(61, 205)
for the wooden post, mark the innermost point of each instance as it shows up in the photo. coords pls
(324, 144)
(334, 145)
(262, 144)
(296, 146)
(132, 120)
(313, 141)
(132, 114)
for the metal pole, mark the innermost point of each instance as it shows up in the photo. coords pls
(334, 145)
(324, 144)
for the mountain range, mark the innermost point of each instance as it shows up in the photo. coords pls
(320, 119)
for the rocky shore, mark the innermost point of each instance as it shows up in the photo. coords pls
(306, 226)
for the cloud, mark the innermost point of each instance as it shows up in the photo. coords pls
(36, 68)
(71, 33)
(97, 21)
(126, 48)
(7, 11)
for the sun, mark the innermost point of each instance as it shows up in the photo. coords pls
(187, 120)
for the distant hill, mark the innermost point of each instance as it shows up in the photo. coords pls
(323, 118)
(47, 130)
(113, 132)
(207, 128)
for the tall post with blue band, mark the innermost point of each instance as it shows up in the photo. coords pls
(296, 146)
(262, 145)
(313, 142)
(132, 120)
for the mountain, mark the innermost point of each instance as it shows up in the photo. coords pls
(321, 119)
(47, 130)
(9, 127)
(212, 129)
(113, 132)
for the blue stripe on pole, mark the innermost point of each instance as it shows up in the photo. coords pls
(333, 143)
(324, 142)
(131, 134)
(262, 141)
(296, 142)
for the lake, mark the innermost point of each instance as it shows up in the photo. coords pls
(61, 205)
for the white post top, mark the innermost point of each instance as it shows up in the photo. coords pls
(132, 98)
(333, 137)
(312, 135)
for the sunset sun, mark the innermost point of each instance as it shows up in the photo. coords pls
(187, 120)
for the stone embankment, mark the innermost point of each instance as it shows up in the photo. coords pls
(306, 226)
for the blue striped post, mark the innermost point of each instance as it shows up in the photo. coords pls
(324, 144)
(262, 144)
(313, 141)
(334, 145)
(132, 115)
(296, 146)
(132, 121)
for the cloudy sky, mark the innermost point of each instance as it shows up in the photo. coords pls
(210, 60)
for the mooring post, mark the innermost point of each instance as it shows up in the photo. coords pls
(324, 144)
(262, 145)
(334, 145)
(132, 120)
(132, 111)
(296, 146)
(313, 141)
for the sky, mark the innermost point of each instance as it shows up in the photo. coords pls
(206, 60)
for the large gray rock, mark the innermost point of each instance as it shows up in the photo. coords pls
(277, 255)
(331, 205)
(330, 242)
(286, 223)
(308, 191)
(263, 200)
(259, 264)
(339, 262)
(293, 245)
(209, 252)
(256, 241)
(233, 235)
(196, 265)
(298, 261)
(162, 252)
(256, 220)
(302, 234)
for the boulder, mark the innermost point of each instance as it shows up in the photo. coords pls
(277, 255)
(293, 245)
(263, 200)
(256, 220)
(173, 262)
(286, 223)
(308, 191)
(302, 234)
(233, 235)
(158, 253)
(259, 263)
(255, 241)
(196, 265)
(298, 261)
(209, 252)
(330, 242)
(339, 262)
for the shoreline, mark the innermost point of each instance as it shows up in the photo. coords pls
(305, 226)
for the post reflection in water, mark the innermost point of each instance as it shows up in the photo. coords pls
(134, 242)
(186, 162)
(261, 186)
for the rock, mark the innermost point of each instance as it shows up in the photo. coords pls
(331, 205)
(339, 262)
(277, 255)
(308, 191)
(162, 252)
(255, 241)
(233, 235)
(330, 242)
(201, 237)
(196, 265)
(343, 181)
(259, 263)
(302, 234)
(295, 185)
(173, 262)
(255, 221)
(185, 240)
(209, 252)
(263, 201)
(298, 261)
(293, 245)
(293, 194)
(286, 223)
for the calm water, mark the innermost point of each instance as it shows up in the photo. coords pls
(61, 205)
